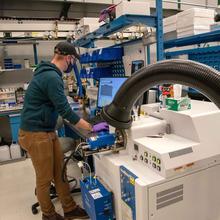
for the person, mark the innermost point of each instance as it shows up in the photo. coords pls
(44, 100)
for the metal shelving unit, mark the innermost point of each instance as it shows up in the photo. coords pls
(209, 55)
(213, 36)
(22, 42)
(15, 70)
(125, 21)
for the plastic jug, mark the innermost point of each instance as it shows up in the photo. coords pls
(15, 151)
(4, 153)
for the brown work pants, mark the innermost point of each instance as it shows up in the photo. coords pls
(47, 158)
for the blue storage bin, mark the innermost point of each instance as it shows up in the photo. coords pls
(95, 55)
(8, 60)
(9, 66)
(17, 66)
(83, 73)
(8, 63)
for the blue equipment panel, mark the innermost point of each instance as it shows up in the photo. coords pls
(102, 55)
(118, 69)
(101, 140)
(97, 199)
(207, 55)
(15, 125)
(96, 73)
(210, 59)
(128, 189)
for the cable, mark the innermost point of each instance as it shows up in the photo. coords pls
(80, 164)
(64, 178)
(79, 145)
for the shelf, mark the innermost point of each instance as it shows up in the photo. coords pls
(11, 111)
(15, 70)
(15, 43)
(212, 36)
(127, 42)
(4, 93)
(116, 25)
(8, 98)
(200, 50)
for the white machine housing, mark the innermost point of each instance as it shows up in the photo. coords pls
(186, 147)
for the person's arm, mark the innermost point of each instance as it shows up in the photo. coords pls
(55, 91)
(84, 124)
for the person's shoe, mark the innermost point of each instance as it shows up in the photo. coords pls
(56, 216)
(77, 213)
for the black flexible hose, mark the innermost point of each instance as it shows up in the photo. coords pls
(190, 73)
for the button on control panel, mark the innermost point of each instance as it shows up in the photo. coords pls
(149, 158)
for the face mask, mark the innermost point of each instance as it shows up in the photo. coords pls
(69, 68)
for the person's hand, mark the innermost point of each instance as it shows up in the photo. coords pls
(102, 126)
(84, 125)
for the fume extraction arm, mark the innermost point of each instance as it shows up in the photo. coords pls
(189, 73)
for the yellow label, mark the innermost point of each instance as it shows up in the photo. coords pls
(34, 34)
(132, 180)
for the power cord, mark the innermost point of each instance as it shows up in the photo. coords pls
(80, 164)
(70, 157)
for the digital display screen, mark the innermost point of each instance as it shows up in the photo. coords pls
(108, 87)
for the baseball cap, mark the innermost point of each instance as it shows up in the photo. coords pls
(66, 48)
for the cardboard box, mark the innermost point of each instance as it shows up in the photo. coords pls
(194, 21)
(178, 104)
(134, 8)
(169, 24)
(88, 21)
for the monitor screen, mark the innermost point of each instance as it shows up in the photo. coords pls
(108, 87)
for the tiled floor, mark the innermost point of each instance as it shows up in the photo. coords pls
(17, 183)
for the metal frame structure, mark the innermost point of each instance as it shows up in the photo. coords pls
(212, 36)
(207, 55)
(124, 21)
(202, 50)
(22, 42)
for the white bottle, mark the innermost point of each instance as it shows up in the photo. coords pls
(15, 151)
(177, 89)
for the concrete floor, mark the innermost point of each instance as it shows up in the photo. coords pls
(17, 184)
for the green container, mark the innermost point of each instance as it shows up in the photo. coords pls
(178, 104)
